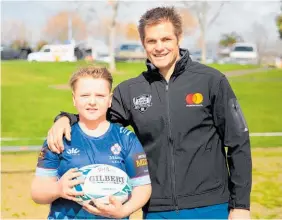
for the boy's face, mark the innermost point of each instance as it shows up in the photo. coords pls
(161, 45)
(92, 98)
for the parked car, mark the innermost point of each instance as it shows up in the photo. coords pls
(94, 50)
(244, 53)
(130, 52)
(197, 56)
(9, 53)
(55, 52)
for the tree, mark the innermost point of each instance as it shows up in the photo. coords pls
(259, 35)
(279, 22)
(107, 27)
(40, 44)
(201, 10)
(103, 29)
(189, 22)
(15, 32)
(131, 31)
(18, 44)
(113, 22)
(227, 40)
(279, 25)
(57, 27)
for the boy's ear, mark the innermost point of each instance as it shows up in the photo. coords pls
(73, 99)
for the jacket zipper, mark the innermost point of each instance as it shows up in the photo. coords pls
(170, 141)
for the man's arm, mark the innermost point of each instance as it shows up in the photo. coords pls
(119, 111)
(233, 130)
(73, 118)
(62, 126)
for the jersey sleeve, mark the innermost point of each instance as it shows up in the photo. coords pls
(47, 163)
(136, 163)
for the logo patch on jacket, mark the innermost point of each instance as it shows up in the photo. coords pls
(194, 99)
(142, 102)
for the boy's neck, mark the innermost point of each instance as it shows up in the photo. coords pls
(94, 128)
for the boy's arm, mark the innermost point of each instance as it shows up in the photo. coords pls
(46, 189)
(140, 195)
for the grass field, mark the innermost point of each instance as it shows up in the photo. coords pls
(34, 93)
(266, 197)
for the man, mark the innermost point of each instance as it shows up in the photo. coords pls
(183, 113)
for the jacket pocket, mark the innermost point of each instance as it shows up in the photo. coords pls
(202, 172)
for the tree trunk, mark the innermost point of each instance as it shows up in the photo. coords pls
(112, 49)
(112, 37)
(203, 47)
(203, 26)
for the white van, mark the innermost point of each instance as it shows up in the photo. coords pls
(244, 53)
(54, 53)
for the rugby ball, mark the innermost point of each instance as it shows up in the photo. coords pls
(101, 181)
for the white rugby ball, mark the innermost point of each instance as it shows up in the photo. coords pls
(101, 181)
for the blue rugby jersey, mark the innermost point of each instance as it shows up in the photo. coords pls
(118, 147)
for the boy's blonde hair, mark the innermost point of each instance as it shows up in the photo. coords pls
(92, 71)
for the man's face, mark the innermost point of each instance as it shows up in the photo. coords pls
(92, 98)
(161, 45)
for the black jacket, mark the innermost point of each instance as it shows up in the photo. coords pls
(183, 126)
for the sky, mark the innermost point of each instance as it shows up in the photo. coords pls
(236, 16)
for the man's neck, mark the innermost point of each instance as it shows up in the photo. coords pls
(166, 73)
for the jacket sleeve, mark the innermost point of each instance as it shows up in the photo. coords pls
(72, 117)
(233, 130)
(119, 111)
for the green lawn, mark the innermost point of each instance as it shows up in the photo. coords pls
(265, 199)
(31, 98)
(259, 95)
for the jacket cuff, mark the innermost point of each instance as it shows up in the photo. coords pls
(233, 205)
(72, 117)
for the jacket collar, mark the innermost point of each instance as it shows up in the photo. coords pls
(180, 65)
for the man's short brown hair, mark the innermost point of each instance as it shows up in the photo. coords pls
(157, 15)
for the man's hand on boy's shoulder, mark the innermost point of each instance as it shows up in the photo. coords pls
(55, 135)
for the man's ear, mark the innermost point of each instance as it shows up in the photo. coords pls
(180, 39)
(111, 99)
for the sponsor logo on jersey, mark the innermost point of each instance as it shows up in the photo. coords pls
(141, 164)
(73, 151)
(142, 102)
(42, 154)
